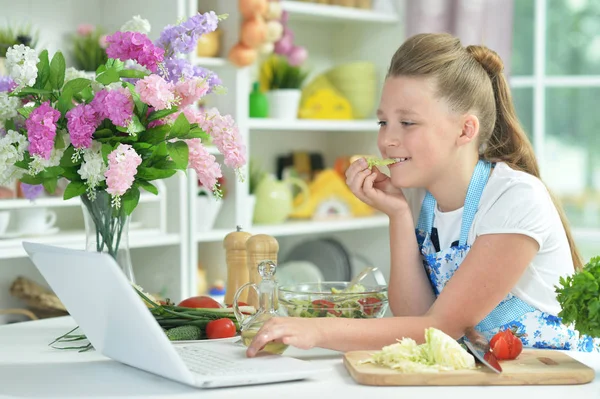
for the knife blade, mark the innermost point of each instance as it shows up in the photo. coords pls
(480, 348)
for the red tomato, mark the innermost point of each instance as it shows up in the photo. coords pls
(322, 304)
(370, 306)
(506, 345)
(200, 302)
(221, 328)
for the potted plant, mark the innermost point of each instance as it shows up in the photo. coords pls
(11, 36)
(283, 82)
(88, 47)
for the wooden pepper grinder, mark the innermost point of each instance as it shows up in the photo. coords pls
(235, 257)
(259, 247)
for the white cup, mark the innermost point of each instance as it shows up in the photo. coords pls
(4, 219)
(35, 220)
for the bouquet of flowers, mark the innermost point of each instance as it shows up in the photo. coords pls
(111, 135)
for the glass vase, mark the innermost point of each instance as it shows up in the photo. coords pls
(107, 230)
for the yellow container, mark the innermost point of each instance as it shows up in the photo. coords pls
(209, 44)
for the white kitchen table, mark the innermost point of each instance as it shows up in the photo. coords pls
(30, 368)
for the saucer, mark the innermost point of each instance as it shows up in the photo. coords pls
(18, 234)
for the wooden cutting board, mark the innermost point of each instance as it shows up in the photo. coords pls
(532, 367)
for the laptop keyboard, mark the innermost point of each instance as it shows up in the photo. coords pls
(204, 361)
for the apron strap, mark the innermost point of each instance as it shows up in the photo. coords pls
(507, 311)
(476, 186)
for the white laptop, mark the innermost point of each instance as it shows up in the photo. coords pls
(118, 324)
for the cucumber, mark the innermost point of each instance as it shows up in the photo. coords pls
(184, 333)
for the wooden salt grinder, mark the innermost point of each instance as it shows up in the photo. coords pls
(259, 247)
(235, 257)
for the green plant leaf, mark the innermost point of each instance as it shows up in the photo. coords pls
(179, 153)
(31, 90)
(180, 128)
(103, 133)
(25, 111)
(32, 180)
(50, 184)
(146, 185)
(162, 113)
(196, 133)
(150, 174)
(109, 76)
(74, 189)
(115, 64)
(132, 74)
(43, 68)
(140, 106)
(76, 85)
(70, 173)
(136, 125)
(130, 199)
(53, 171)
(57, 71)
(106, 149)
(154, 135)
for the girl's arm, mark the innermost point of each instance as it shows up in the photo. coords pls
(491, 269)
(410, 292)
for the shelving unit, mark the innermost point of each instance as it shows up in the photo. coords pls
(314, 12)
(264, 124)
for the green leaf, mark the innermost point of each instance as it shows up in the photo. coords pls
(70, 173)
(115, 64)
(25, 111)
(164, 164)
(76, 85)
(65, 103)
(161, 150)
(74, 189)
(87, 94)
(43, 67)
(140, 106)
(179, 153)
(136, 126)
(50, 184)
(100, 69)
(151, 188)
(53, 171)
(57, 70)
(196, 133)
(106, 149)
(180, 128)
(130, 200)
(132, 73)
(154, 135)
(103, 133)
(150, 174)
(109, 76)
(31, 90)
(162, 113)
(32, 180)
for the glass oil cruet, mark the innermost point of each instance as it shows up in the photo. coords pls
(267, 291)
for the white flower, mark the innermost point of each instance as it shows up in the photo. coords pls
(136, 24)
(12, 148)
(93, 168)
(38, 163)
(21, 64)
(72, 73)
(8, 106)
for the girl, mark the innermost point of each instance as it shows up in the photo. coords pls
(490, 242)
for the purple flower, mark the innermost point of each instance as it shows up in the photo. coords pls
(178, 69)
(2, 132)
(41, 130)
(99, 106)
(31, 192)
(182, 38)
(82, 122)
(7, 84)
(116, 105)
(134, 46)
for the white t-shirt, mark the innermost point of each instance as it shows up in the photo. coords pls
(517, 203)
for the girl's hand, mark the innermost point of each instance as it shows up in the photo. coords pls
(295, 331)
(374, 188)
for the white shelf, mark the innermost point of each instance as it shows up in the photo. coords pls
(292, 228)
(366, 125)
(209, 61)
(142, 238)
(58, 202)
(330, 13)
(212, 150)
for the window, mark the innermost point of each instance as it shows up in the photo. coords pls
(555, 78)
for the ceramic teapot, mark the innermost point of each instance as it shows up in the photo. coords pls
(274, 199)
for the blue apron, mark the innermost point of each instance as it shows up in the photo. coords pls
(539, 329)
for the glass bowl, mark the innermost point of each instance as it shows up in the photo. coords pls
(327, 299)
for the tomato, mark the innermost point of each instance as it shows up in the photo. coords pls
(199, 302)
(220, 328)
(326, 306)
(370, 305)
(506, 345)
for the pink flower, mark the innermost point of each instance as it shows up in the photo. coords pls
(102, 41)
(82, 122)
(116, 105)
(205, 164)
(226, 136)
(134, 46)
(41, 130)
(122, 168)
(155, 91)
(191, 90)
(85, 29)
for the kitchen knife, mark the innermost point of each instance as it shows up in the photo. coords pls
(480, 348)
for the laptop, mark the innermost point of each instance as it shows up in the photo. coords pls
(118, 324)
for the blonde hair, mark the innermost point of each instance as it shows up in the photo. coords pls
(471, 79)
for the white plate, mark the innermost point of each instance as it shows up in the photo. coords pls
(18, 234)
(200, 341)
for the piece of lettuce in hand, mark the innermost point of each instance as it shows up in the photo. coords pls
(373, 161)
(440, 352)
